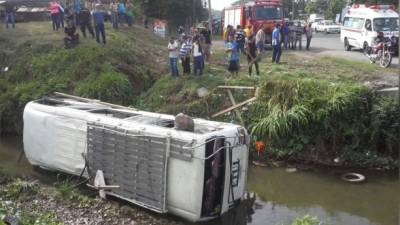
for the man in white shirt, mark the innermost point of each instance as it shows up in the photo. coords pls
(173, 49)
(260, 39)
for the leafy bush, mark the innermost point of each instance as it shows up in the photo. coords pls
(331, 120)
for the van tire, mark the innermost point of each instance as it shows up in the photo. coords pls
(365, 47)
(347, 46)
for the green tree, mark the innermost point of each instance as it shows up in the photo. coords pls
(177, 12)
(318, 6)
(334, 7)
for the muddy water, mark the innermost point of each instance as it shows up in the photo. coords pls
(282, 196)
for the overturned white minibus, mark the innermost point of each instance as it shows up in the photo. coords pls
(196, 175)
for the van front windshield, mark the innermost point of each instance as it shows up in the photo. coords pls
(268, 13)
(386, 24)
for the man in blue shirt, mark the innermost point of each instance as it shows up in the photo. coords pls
(98, 18)
(232, 48)
(286, 34)
(121, 12)
(276, 44)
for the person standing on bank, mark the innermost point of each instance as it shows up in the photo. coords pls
(240, 39)
(184, 54)
(206, 32)
(114, 14)
(10, 14)
(276, 44)
(308, 32)
(85, 22)
(251, 52)
(98, 18)
(129, 13)
(173, 57)
(298, 38)
(286, 33)
(260, 40)
(55, 15)
(62, 14)
(121, 12)
(234, 56)
(197, 57)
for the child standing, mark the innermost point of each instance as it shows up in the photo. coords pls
(232, 49)
(173, 57)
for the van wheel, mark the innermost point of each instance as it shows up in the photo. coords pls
(365, 48)
(347, 46)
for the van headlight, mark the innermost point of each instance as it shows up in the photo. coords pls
(243, 138)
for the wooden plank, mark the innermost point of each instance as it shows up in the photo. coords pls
(236, 110)
(88, 100)
(237, 87)
(234, 107)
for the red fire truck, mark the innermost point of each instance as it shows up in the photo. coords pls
(255, 13)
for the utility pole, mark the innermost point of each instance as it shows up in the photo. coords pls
(293, 9)
(193, 13)
(210, 20)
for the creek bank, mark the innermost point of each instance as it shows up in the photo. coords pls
(63, 204)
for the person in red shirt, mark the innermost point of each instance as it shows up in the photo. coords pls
(55, 14)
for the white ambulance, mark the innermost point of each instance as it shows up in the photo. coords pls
(362, 23)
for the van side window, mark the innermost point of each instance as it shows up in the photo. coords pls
(346, 22)
(368, 25)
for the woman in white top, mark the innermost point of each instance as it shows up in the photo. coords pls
(197, 57)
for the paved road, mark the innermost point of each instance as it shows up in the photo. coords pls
(330, 44)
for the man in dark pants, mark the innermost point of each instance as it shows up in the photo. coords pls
(251, 52)
(85, 22)
(10, 14)
(184, 54)
(72, 38)
(207, 42)
(276, 44)
(98, 17)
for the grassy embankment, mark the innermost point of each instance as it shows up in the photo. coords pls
(38, 64)
(309, 110)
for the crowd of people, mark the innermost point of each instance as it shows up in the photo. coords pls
(196, 46)
(89, 17)
(238, 41)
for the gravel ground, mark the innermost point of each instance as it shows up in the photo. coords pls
(80, 211)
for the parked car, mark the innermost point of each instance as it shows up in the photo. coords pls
(327, 26)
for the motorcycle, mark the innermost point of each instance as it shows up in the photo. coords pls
(382, 52)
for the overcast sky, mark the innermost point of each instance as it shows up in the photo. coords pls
(220, 4)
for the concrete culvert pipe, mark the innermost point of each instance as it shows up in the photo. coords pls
(353, 177)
